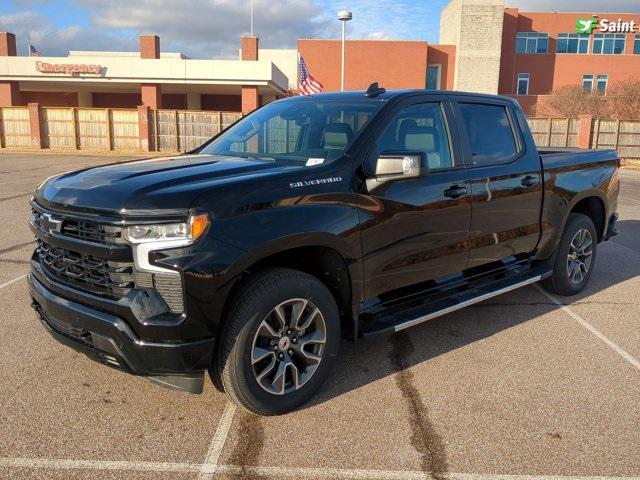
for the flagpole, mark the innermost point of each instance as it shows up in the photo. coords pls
(252, 18)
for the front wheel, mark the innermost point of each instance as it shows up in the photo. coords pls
(575, 257)
(279, 341)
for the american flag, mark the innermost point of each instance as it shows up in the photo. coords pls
(307, 85)
(33, 51)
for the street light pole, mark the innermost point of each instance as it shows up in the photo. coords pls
(344, 16)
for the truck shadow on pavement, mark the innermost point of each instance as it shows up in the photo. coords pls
(372, 359)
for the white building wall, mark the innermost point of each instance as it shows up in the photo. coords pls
(475, 28)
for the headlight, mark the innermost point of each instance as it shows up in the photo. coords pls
(191, 230)
(148, 238)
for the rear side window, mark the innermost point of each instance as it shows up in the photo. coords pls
(490, 133)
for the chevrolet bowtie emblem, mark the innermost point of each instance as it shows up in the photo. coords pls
(50, 224)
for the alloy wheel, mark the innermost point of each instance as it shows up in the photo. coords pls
(580, 256)
(288, 346)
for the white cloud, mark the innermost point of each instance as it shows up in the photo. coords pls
(210, 28)
(622, 6)
(39, 30)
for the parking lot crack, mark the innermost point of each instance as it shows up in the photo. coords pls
(13, 248)
(424, 437)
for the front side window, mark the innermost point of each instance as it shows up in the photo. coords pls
(636, 45)
(572, 43)
(609, 43)
(420, 128)
(532, 42)
(523, 83)
(601, 85)
(587, 83)
(304, 130)
(490, 133)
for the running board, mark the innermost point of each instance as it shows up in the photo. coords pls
(400, 320)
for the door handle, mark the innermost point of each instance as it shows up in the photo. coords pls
(529, 181)
(455, 191)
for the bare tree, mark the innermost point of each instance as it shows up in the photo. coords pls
(570, 101)
(623, 100)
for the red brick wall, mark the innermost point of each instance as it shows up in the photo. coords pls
(393, 64)
(116, 100)
(227, 103)
(551, 71)
(444, 55)
(149, 46)
(51, 99)
(249, 47)
(174, 101)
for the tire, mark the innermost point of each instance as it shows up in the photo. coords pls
(254, 325)
(566, 280)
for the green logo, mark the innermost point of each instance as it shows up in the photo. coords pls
(586, 25)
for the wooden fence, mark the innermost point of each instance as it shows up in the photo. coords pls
(111, 129)
(622, 135)
(183, 130)
(554, 132)
(15, 127)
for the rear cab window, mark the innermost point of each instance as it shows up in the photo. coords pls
(490, 131)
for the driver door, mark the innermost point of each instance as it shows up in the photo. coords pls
(415, 230)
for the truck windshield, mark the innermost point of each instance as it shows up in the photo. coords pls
(307, 131)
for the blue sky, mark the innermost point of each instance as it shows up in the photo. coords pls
(211, 28)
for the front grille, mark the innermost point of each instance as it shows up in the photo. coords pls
(85, 272)
(82, 229)
(66, 328)
(91, 231)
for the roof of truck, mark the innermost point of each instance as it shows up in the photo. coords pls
(389, 94)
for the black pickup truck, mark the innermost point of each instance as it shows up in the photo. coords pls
(311, 219)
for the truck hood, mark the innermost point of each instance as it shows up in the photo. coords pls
(160, 185)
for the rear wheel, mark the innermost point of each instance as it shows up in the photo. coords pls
(279, 341)
(575, 258)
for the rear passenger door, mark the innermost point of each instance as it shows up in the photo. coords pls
(504, 178)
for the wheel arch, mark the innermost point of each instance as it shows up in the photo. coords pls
(326, 257)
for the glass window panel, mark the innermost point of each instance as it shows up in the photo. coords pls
(561, 46)
(583, 46)
(419, 127)
(602, 83)
(521, 44)
(489, 132)
(543, 45)
(587, 83)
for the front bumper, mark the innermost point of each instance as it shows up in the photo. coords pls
(108, 339)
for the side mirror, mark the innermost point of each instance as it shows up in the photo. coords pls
(400, 166)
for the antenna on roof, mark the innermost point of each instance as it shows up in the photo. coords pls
(374, 90)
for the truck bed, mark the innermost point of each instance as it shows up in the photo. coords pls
(553, 158)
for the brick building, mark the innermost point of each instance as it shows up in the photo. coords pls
(148, 77)
(484, 47)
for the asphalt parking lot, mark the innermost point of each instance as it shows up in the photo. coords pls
(522, 387)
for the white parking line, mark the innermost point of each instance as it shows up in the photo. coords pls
(6, 284)
(630, 199)
(628, 357)
(217, 444)
(277, 472)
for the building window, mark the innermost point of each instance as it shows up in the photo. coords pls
(572, 43)
(532, 42)
(609, 43)
(587, 83)
(433, 77)
(636, 45)
(523, 84)
(602, 83)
